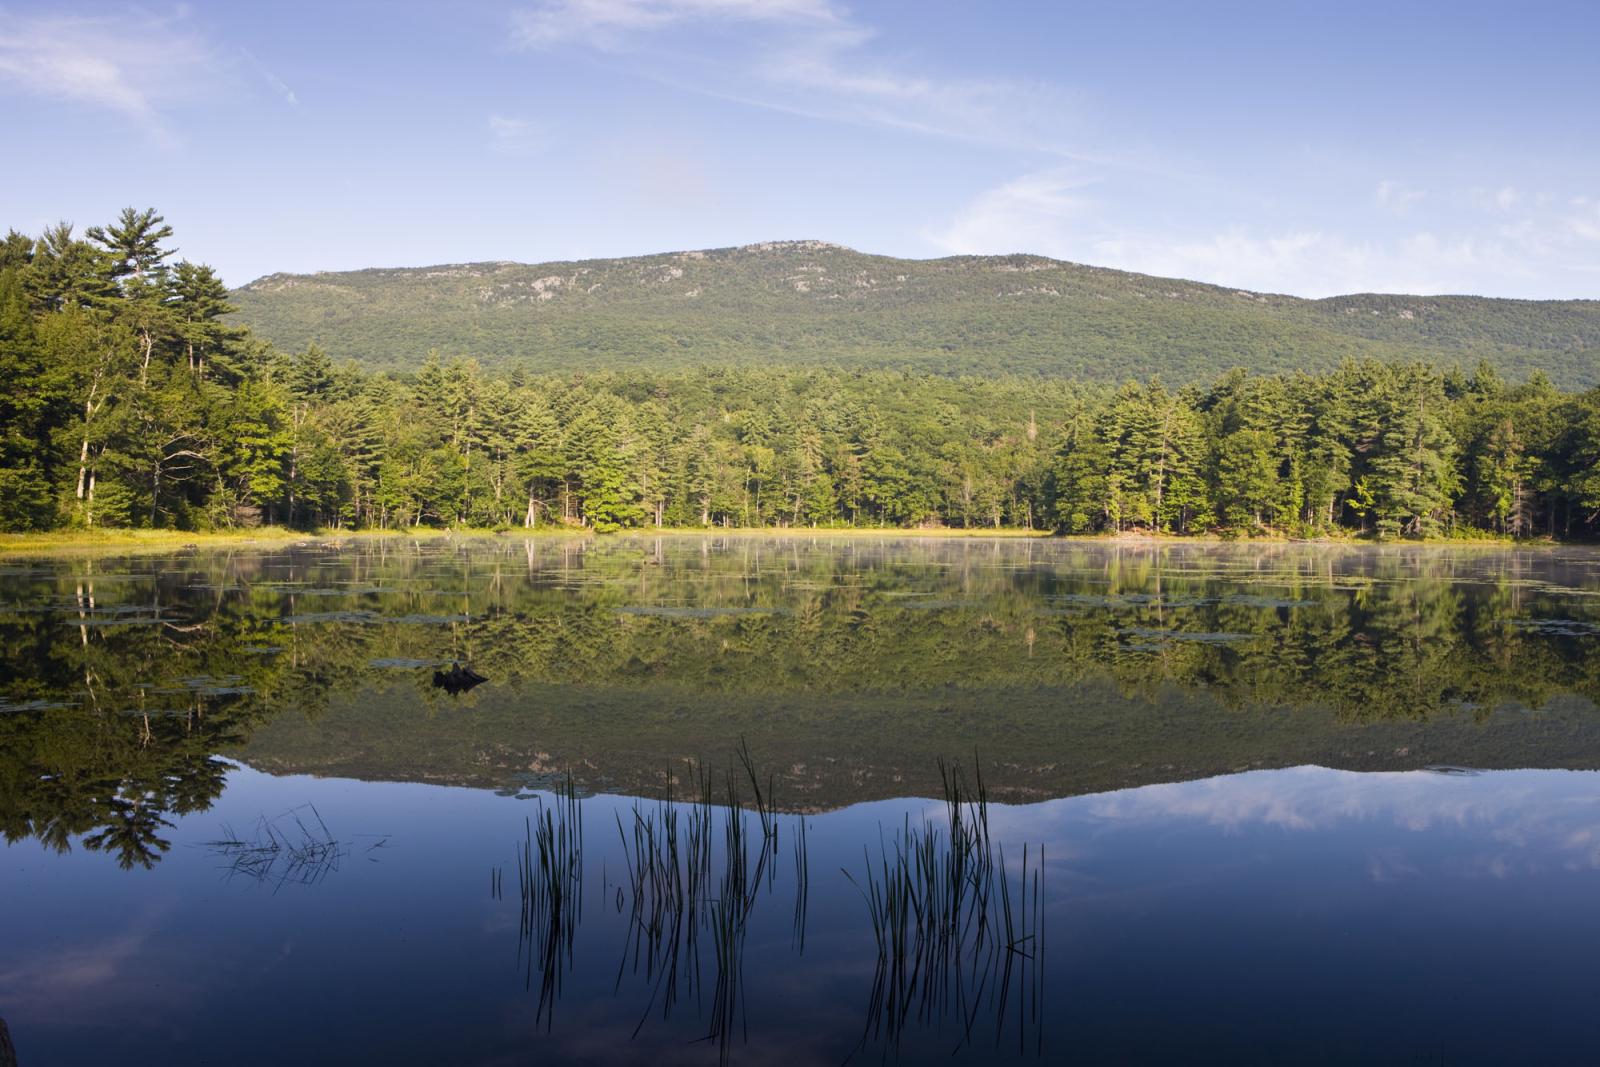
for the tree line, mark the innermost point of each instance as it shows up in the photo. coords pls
(127, 399)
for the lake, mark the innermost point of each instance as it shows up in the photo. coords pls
(800, 800)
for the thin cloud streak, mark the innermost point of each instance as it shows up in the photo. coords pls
(608, 24)
(277, 84)
(130, 64)
(810, 59)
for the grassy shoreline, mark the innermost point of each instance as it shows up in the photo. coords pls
(144, 541)
(71, 541)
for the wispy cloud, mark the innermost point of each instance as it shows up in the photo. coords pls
(513, 136)
(1033, 213)
(277, 84)
(617, 23)
(134, 64)
(1397, 196)
(1584, 223)
(805, 57)
(1057, 213)
(1313, 262)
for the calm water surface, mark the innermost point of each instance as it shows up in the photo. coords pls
(1210, 804)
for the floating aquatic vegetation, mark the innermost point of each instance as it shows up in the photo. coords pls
(1129, 600)
(205, 685)
(332, 616)
(1249, 600)
(334, 591)
(670, 612)
(367, 617)
(117, 615)
(1558, 627)
(7, 706)
(155, 713)
(1185, 635)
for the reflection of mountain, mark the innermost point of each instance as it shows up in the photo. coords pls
(829, 752)
(849, 665)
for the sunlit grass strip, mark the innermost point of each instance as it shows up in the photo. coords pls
(128, 541)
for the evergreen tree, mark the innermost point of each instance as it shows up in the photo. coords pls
(28, 415)
(1413, 475)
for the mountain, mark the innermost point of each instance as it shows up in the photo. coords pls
(809, 302)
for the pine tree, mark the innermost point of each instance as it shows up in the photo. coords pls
(1413, 475)
(29, 410)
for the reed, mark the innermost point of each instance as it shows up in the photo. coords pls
(764, 801)
(802, 883)
(286, 850)
(952, 938)
(550, 884)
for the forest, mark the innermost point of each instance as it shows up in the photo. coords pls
(814, 304)
(130, 398)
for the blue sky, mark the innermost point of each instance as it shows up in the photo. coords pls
(1292, 147)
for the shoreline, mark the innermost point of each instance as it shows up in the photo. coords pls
(124, 541)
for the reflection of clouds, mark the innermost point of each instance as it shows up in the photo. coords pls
(1542, 815)
(133, 973)
(53, 985)
(69, 972)
(1390, 865)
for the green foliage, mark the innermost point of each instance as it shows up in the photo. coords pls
(27, 413)
(810, 304)
(128, 400)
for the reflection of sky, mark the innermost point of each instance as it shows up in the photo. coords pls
(1255, 913)
(1496, 822)
(1553, 814)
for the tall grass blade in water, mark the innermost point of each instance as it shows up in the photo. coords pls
(687, 885)
(550, 886)
(951, 941)
(763, 801)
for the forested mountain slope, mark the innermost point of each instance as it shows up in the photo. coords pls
(807, 302)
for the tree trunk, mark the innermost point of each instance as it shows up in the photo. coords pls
(83, 465)
(155, 490)
(148, 343)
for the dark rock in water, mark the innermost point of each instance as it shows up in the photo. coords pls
(457, 679)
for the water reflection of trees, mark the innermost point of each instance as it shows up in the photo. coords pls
(109, 778)
(160, 663)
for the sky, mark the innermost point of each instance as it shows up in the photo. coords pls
(1306, 148)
